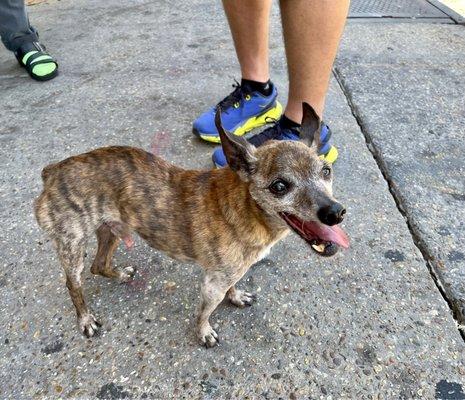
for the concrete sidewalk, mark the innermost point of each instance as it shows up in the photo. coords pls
(406, 86)
(368, 323)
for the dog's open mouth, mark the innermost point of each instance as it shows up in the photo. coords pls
(324, 239)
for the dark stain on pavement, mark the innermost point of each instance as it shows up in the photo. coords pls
(207, 386)
(449, 391)
(444, 230)
(394, 255)
(455, 256)
(458, 196)
(366, 355)
(9, 130)
(54, 347)
(112, 391)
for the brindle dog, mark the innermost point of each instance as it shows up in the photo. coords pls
(225, 219)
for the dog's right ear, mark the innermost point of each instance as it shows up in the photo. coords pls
(238, 152)
(311, 126)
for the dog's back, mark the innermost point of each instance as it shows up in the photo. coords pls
(82, 191)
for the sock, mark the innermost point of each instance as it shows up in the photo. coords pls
(263, 88)
(286, 123)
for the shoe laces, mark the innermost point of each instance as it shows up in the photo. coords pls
(233, 99)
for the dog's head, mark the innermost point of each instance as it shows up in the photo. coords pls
(290, 183)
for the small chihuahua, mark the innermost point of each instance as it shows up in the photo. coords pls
(225, 219)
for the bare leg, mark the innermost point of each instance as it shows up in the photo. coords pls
(71, 255)
(107, 244)
(249, 23)
(312, 30)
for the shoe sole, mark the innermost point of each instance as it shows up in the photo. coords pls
(251, 123)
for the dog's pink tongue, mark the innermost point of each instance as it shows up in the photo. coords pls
(327, 233)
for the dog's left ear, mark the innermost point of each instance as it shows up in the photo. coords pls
(311, 127)
(239, 153)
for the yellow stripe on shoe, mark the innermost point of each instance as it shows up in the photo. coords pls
(252, 123)
(331, 155)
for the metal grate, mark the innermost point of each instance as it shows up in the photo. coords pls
(394, 9)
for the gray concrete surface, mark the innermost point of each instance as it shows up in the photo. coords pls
(369, 323)
(407, 87)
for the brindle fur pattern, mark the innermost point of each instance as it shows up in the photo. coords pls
(224, 219)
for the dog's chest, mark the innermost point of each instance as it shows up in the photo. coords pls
(265, 251)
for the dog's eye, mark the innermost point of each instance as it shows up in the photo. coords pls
(326, 172)
(279, 186)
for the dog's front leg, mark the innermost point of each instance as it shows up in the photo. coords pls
(212, 292)
(240, 298)
(214, 287)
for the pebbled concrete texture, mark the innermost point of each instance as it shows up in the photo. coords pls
(408, 94)
(368, 323)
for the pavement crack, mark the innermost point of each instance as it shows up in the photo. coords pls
(432, 263)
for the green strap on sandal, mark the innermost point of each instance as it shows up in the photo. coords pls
(37, 62)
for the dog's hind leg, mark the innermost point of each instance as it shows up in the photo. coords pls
(71, 255)
(107, 244)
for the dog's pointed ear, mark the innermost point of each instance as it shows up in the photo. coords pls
(238, 152)
(311, 126)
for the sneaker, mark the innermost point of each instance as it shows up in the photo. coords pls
(276, 132)
(242, 111)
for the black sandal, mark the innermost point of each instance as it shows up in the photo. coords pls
(34, 55)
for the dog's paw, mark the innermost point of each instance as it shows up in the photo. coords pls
(89, 326)
(208, 337)
(126, 274)
(242, 299)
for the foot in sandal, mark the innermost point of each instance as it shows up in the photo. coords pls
(40, 65)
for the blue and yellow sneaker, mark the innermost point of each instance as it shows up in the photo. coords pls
(242, 111)
(277, 132)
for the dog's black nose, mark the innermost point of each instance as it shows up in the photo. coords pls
(332, 214)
